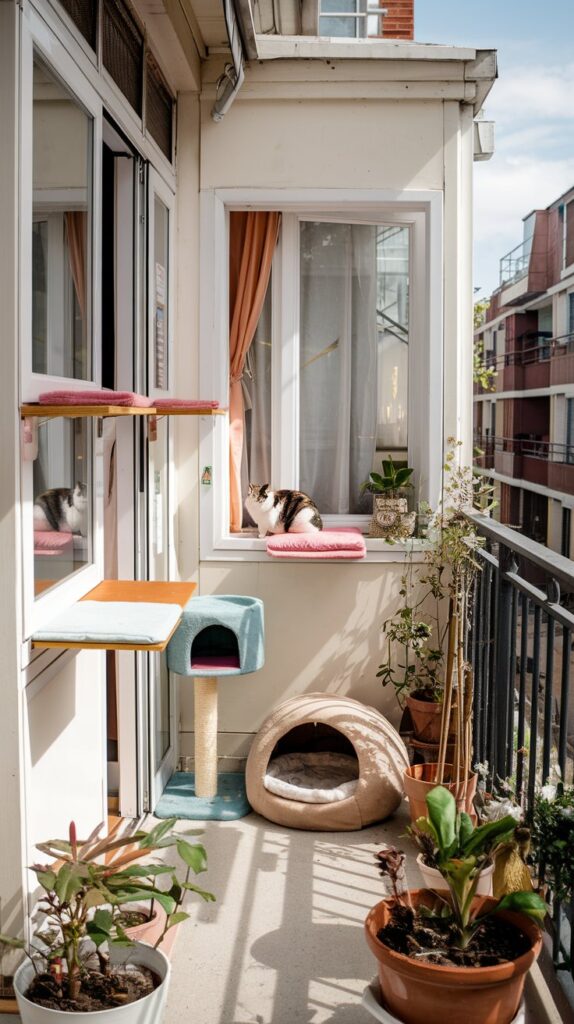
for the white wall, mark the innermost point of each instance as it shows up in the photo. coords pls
(323, 623)
(65, 748)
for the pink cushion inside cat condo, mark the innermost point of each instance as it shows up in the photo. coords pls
(346, 542)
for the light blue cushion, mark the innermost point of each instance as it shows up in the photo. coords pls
(243, 616)
(120, 622)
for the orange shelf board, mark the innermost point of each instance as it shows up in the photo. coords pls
(155, 591)
(49, 411)
(177, 410)
(134, 591)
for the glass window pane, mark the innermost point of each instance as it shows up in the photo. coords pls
(353, 358)
(161, 292)
(345, 27)
(392, 336)
(62, 224)
(62, 501)
(339, 6)
(256, 467)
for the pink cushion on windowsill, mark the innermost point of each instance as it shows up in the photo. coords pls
(97, 396)
(345, 542)
(52, 542)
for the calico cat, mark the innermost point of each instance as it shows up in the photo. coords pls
(282, 511)
(62, 508)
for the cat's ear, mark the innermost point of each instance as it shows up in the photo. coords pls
(263, 491)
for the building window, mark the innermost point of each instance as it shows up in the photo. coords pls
(61, 230)
(566, 531)
(570, 430)
(351, 18)
(345, 348)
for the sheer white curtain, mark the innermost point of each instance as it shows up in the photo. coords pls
(256, 383)
(338, 367)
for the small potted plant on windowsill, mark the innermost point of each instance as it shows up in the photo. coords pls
(391, 518)
(452, 951)
(81, 965)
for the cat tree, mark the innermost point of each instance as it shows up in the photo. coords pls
(219, 635)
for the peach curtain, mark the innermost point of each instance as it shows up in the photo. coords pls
(76, 223)
(253, 237)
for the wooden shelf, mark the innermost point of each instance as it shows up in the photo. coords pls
(132, 591)
(76, 411)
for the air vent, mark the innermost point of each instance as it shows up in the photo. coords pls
(159, 108)
(84, 14)
(123, 50)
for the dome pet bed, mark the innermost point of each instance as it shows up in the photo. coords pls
(328, 722)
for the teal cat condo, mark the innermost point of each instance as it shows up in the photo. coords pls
(219, 635)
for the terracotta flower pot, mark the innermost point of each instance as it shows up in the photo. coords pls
(426, 716)
(418, 993)
(434, 880)
(149, 930)
(419, 779)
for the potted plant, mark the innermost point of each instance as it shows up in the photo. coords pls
(449, 571)
(553, 838)
(453, 951)
(81, 964)
(391, 518)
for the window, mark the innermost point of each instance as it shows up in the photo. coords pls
(58, 479)
(340, 356)
(350, 18)
(61, 230)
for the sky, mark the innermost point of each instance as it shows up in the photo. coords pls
(532, 103)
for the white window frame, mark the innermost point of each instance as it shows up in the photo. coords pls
(36, 37)
(422, 211)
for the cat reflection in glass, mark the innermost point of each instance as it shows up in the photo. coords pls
(282, 511)
(62, 508)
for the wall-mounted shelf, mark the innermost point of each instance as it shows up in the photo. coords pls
(126, 593)
(50, 411)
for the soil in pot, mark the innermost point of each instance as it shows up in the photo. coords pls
(122, 985)
(417, 991)
(431, 941)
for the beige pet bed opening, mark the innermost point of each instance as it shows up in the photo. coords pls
(328, 735)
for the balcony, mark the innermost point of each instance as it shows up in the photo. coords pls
(514, 265)
(532, 266)
(284, 942)
(562, 359)
(528, 367)
(546, 463)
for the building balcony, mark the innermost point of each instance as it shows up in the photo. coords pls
(534, 264)
(546, 463)
(525, 368)
(562, 360)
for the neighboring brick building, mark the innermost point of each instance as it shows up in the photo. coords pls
(525, 427)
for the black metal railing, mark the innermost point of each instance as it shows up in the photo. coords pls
(532, 447)
(520, 647)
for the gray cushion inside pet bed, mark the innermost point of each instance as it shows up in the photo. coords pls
(314, 777)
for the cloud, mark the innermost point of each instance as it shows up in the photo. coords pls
(533, 163)
(533, 92)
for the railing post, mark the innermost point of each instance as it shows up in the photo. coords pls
(503, 685)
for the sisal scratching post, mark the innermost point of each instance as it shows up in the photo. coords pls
(205, 718)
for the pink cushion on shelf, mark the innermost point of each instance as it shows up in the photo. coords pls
(52, 542)
(214, 661)
(186, 403)
(345, 542)
(99, 396)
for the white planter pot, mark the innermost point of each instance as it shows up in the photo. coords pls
(434, 880)
(145, 1011)
(372, 1002)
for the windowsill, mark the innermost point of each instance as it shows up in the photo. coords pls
(248, 547)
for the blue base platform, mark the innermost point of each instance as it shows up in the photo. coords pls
(178, 799)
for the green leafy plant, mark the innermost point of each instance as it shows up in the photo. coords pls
(460, 851)
(393, 479)
(553, 838)
(482, 374)
(86, 888)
